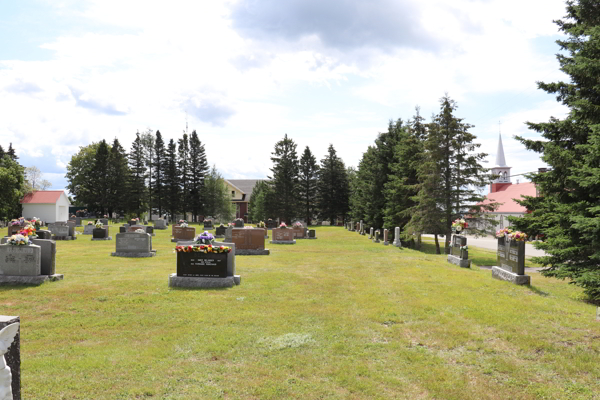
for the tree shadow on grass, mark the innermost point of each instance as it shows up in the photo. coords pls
(538, 291)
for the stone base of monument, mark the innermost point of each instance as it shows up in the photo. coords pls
(282, 241)
(64, 237)
(249, 252)
(376, 241)
(386, 243)
(508, 276)
(459, 261)
(106, 238)
(191, 282)
(133, 255)
(29, 279)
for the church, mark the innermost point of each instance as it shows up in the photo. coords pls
(503, 191)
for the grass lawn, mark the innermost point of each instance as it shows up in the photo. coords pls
(334, 318)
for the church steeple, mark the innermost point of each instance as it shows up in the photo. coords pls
(500, 169)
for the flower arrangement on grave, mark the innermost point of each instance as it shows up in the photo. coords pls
(183, 225)
(182, 221)
(29, 231)
(239, 219)
(19, 240)
(459, 224)
(248, 227)
(36, 222)
(282, 225)
(91, 223)
(99, 224)
(500, 233)
(223, 226)
(203, 249)
(465, 247)
(518, 236)
(204, 238)
(105, 216)
(261, 224)
(298, 224)
(73, 216)
(230, 224)
(140, 231)
(19, 221)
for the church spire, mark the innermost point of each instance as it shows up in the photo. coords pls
(500, 161)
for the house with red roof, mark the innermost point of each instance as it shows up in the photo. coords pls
(47, 205)
(503, 191)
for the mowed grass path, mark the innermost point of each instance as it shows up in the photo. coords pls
(334, 318)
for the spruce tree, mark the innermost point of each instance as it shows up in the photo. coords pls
(100, 174)
(198, 167)
(567, 212)
(158, 166)
(81, 176)
(171, 180)
(2, 152)
(284, 181)
(147, 139)
(12, 181)
(137, 177)
(118, 171)
(307, 188)
(184, 173)
(333, 190)
(11, 153)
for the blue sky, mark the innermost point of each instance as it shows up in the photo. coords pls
(246, 72)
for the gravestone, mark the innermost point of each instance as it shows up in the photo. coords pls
(271, 224)
(312, 234)
(385, 237)
(77, 221)
(60, 232)
(298, 233)
(208, 225)
(101, 234)
(22, 265)
(71, 225)
(371, 234)
(362, 228)
(14, 229)
(351, 226)
(150, 230)
(133, 244)
(228, 233)
(47, 256)
(511, 262)
(220, 231)
(282, 236)
(180, 233)
(397, 241)
(133, 228)
(43, 234)
(160, 224)
(238, 223)
(104, 221)
(122, 229)
(13, 355)
(249, 242)
(459, 256)
(88, 229)
(376, 238)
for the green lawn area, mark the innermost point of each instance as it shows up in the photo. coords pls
(334, 318)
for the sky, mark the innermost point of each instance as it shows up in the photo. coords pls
(243, 73)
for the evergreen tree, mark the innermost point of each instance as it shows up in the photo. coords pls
(184, 173)
(2, 152)
(118, 171)
(258, 202)
(12, 182)
(158, 165)
(198, 167)
(137, 177)
(362, 206)
(218, 199)
(171, 180)
(333, 190)
(285, 178)
(11, 153)
(147, 139)
(100, 183)
(81, 176)
(307, 188)
(567, 212)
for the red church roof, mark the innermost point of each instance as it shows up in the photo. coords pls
(42, 197)
(508, 193)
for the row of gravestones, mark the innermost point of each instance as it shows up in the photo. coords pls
(510, 253)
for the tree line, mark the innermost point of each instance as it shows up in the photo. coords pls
(421, 176)
(301, 188)
(172, 178)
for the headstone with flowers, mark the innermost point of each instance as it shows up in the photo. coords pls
(104, 220)
(208, 224)
(89, 228)
(249, 241)
(299, 230)
(238, 223)
(511, 257)
(203, 263)
(101, 232)
(220, 231)
(183, 232)
(283, 235)
(15, 226)
(134, 244)
(459, 251)
(26, 260)
(262, 225)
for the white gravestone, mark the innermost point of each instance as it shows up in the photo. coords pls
(7, 335)
(397, 242)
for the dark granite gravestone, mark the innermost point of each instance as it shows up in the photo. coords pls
(312, 234)
(104, 221)
(43, 234)
(249, 241)
(100, 233)
(238, 223)
(122, 229)
(511, 262)
(208, 224)
(13, 356)
(150, 230)
(376, 238)
(202, 265)
(220, 231)
(271, 224)
(48, 256)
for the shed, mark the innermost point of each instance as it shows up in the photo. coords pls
(48, 205)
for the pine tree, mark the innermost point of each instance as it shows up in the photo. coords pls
(307, 188)
(158, 165)
(100, 183)
(2, 152)
(11, 153)
(198, 167)
(333, 190)
(362, 206)
(184, 173)
(118, 171)
(258, 202)
(171, 180)
(285, 178)
(137, 177)
(567, 212)
(147, 139)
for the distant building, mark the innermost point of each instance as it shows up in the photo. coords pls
(48, 205)
(241, 190)
(503, 191)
